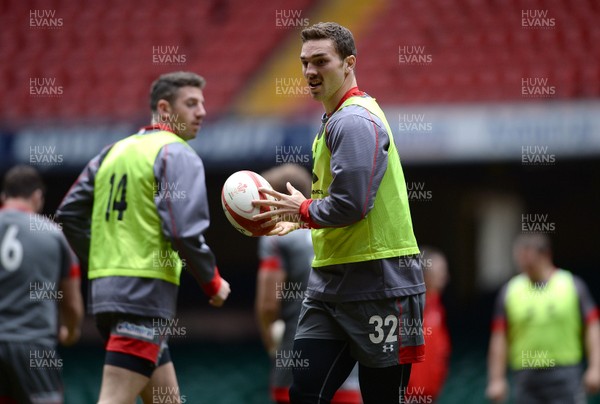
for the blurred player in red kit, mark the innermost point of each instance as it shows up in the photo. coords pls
(427, 378)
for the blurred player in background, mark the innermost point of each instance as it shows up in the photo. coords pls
(427, 378)
(282, 277)
(40, 299)
(135, 213)
(366, 281)
(544, 321)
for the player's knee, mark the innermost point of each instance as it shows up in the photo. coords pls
(310, 390)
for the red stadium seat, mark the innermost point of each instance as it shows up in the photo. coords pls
(480, 51)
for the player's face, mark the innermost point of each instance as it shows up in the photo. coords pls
(525, 257)
(436, 274)
(322, 68)
(187, 112)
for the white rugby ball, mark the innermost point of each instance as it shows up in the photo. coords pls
(277, 330)
(238, 192)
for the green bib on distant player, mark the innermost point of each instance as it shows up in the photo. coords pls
(127, 237)
(386, 231)
(544, 322)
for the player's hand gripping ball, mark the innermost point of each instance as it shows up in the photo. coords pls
(240, 189)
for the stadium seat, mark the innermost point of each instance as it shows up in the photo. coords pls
(113, 41)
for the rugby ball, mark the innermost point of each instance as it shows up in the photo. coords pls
(238, 192)
(277, 330)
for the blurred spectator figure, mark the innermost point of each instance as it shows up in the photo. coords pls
(544, 321)
(40, 300)
(427, 378)
(285, 263)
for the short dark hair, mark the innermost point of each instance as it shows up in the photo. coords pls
(22, 181)
(166, 86)
(343, 41)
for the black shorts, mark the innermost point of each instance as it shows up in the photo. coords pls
(381, 333)
(556, 385)
(30, 373)
(133, 342)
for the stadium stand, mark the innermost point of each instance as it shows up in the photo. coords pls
(482, 50)
(101, 46)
